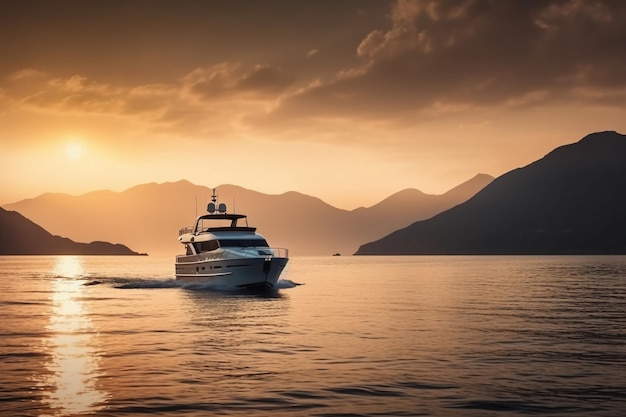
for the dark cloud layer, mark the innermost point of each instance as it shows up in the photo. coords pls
(148, 41)
(480, 53)
(351, 60)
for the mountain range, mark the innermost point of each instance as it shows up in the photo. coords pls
(572, 201)
(147, 217)
(21, 236)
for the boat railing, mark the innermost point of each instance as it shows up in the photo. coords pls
(280, 252)
(185, 230)
(239, 253)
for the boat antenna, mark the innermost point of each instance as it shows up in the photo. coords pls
(212, 206)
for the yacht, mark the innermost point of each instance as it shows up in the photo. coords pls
(223, 251)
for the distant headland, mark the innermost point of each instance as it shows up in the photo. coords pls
(20, 236)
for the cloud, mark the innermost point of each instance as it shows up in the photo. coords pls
(477, 53)
(26, 73)
(194, 104)
(264, 79)
(230, 80)
(38, 91)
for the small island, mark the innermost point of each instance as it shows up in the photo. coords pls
(20, 236)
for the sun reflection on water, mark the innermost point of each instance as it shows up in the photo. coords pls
(74, 363)
(68, 267)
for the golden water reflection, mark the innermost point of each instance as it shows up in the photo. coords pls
(74, 365)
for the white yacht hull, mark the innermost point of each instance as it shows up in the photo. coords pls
(257, 272)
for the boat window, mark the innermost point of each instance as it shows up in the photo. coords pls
(206, 246)
(243, 243)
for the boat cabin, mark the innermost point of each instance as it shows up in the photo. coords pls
(219, 229)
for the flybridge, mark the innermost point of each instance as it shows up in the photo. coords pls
(218, 212)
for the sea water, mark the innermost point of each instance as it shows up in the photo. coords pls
(342, 336)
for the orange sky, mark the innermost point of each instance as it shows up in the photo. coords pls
(349, 101)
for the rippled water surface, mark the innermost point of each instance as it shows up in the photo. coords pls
(361, 336)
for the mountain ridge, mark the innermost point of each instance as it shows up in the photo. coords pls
(147, 216)
(568, 202)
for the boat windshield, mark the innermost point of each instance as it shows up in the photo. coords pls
(243, 243)
(206, 246)
(224, 221)
(204, 224)
(212, 245)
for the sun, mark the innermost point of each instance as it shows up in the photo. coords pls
(73, 150)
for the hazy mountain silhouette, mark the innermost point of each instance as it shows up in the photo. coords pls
(149, 216)
(21, 236)
(572, 201)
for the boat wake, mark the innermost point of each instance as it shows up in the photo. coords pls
(287, 283)
(139, 284)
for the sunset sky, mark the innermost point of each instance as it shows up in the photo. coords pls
(346, 100)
